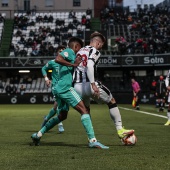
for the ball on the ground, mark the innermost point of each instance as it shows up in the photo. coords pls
(129, 140)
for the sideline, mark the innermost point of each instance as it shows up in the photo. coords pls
(147, 113)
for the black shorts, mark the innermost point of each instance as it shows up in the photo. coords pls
(161, 96)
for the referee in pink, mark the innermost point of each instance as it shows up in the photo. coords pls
(136, 92)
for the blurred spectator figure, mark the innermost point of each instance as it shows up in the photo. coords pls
(8, 89)
(35, 52)
(13, 89)
(29, 80)
(145, 47)
(153, 87)
(153, 91)
(1, 86)
(23, 53)
(11, 80)
(16, 50)
(120, 40)
(79, 33)
(16, 80)
(71, 14)
(138, 42)
(88, 24)
(22, 89)
(88, 12)
(83, 20)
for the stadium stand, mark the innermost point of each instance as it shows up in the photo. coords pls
(40, 34)
(2, 20)
(145, 31)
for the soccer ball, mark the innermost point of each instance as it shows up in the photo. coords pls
(129, 140)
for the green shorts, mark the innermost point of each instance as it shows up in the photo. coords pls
(70, 97)
(62, 105)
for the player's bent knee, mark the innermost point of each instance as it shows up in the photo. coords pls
(112, 101)
(55, 106)
(63, 115)
(112, 105)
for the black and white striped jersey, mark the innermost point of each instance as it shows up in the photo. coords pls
(167, 80)
(88, 54)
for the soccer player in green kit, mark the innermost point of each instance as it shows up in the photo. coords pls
(66, 95)
(52, 65)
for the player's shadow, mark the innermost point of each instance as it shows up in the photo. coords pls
(62, 144)
(34, 131)
(59, 144)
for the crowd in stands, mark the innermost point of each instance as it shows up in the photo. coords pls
(145, 31)
(2, 21)
(39, 34)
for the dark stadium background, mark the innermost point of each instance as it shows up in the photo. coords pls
(119, 61)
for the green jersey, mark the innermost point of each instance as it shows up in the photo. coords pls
(66, 72)
(52, 65)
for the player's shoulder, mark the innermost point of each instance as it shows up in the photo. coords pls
(67, 52)
(51, 61)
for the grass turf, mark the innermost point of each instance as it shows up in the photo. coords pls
(69, 151)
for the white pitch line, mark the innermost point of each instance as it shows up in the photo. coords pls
(147, 113)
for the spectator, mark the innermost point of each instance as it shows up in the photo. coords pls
(83, 20)
(8, 89)
(153, 87)
(22, 89)
(29, 80)
(71, 14)
(13, 89)
(89, 12)
(1, 86)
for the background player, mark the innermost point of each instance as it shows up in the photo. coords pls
(52, 65)
(66, 95)
(167, 82)
(86, 86)
(160, 93)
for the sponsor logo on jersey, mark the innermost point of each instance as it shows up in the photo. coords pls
(66, 54)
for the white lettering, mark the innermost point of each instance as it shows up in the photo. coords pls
(108, 61)
(156, 60)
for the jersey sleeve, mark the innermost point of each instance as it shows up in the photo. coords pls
(68, 55)
(45, 68)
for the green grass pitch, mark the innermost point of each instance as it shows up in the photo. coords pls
(69, 151)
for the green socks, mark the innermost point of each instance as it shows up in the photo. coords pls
(51, 114)
(50, 124)
(86, 121)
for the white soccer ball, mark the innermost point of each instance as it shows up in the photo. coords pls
(129, 140)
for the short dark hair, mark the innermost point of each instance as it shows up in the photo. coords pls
(75, 39)
(60, 47)
(98, 34)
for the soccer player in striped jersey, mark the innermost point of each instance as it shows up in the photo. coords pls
(86, 85)
(167, 83)
(52, 65)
